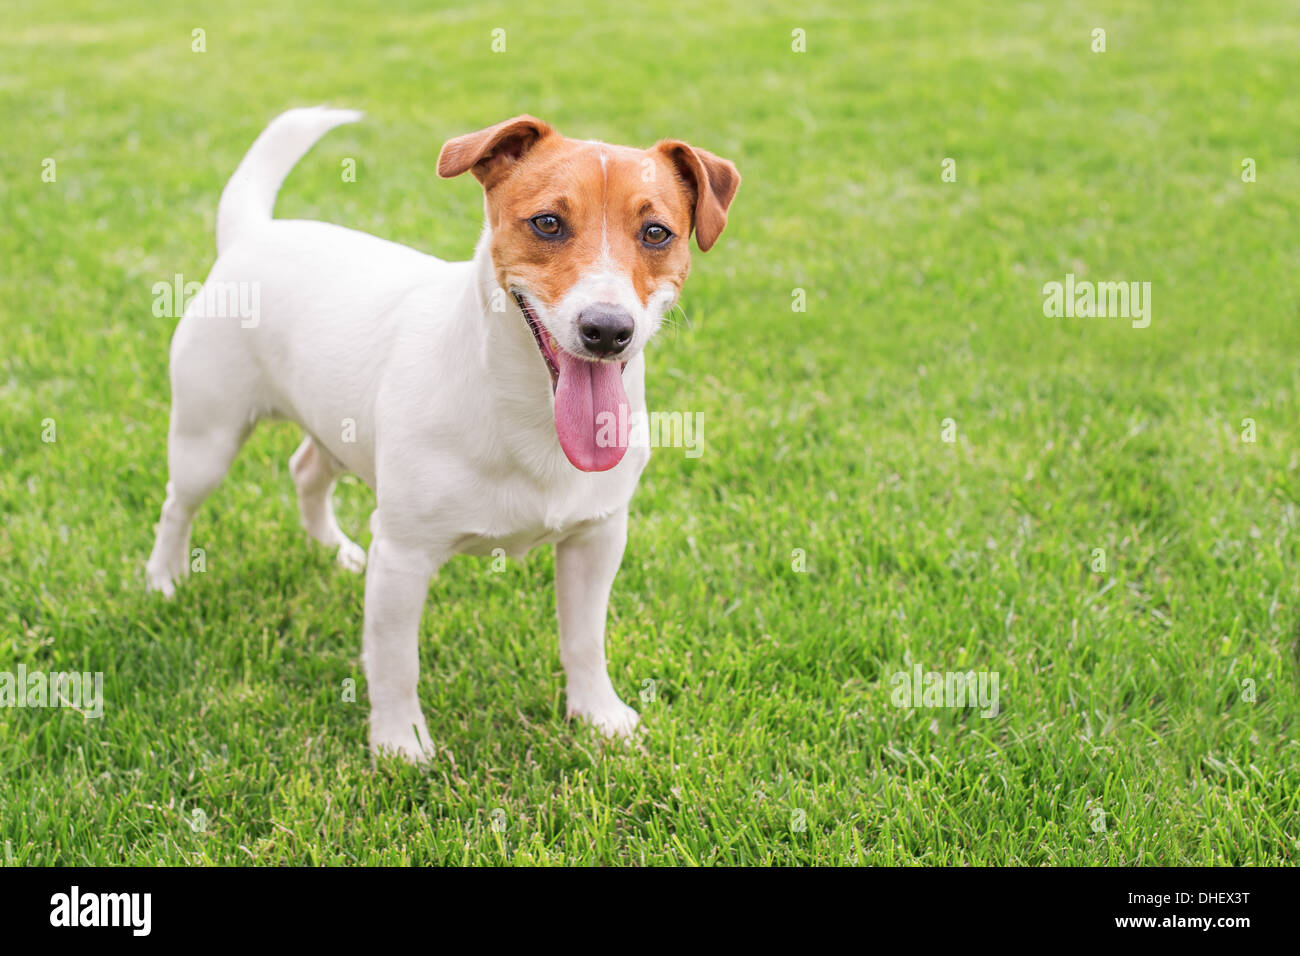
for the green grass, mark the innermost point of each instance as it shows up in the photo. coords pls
(1120, 691)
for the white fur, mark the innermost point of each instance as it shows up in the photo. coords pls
(450, 407)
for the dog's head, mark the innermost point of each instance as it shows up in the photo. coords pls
(592, 241)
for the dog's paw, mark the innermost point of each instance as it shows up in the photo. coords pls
(352, 557)
(613, 718)
(405, 737)
(159, 580)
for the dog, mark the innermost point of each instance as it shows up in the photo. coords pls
(472, 397)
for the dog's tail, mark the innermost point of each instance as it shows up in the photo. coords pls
(249, 197)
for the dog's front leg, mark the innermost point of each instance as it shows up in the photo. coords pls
(397, 585)
(585, 565)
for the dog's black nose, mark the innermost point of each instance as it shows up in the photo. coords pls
(605, 329)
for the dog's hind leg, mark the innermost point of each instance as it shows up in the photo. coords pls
(197, 459)
(314, 469)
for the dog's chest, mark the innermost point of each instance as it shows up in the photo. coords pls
(522, 515)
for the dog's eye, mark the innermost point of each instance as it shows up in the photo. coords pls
(655, 234)
(548, 226)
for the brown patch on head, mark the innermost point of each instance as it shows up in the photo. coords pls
(609, 202)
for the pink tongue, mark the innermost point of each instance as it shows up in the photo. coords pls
(587, 403)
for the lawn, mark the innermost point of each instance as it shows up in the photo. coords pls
(921, 468)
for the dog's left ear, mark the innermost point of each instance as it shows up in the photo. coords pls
(713, 182)
(490, 152)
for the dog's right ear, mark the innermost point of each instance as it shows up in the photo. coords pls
(491, 152)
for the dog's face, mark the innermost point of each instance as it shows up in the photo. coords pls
(592, 241)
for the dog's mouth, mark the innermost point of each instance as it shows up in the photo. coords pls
(591, 407)
(546, 343)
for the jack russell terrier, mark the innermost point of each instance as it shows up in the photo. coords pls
(470, 396)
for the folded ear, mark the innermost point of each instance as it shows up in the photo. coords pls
(712, 179)
(492, 151)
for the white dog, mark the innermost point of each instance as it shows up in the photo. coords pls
(475, 398)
